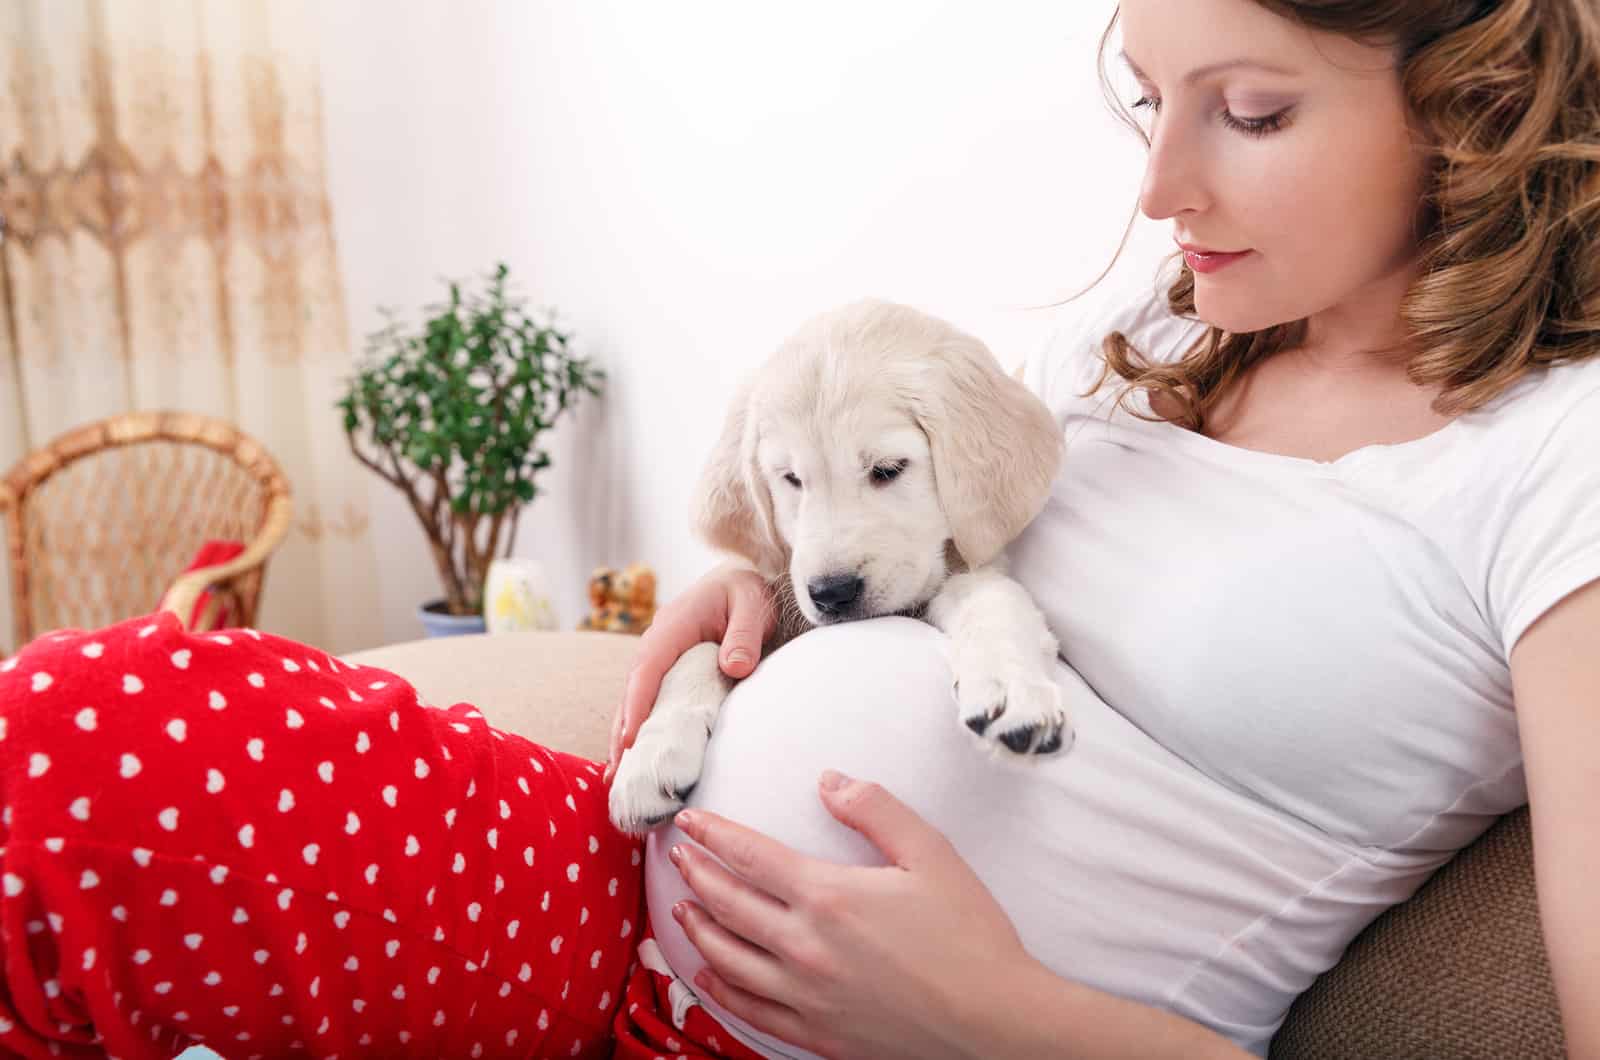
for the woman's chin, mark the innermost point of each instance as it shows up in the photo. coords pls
(1239, 310)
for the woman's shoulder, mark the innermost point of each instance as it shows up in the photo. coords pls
(1547, 402)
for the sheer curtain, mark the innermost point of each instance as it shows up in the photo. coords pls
(168, 243)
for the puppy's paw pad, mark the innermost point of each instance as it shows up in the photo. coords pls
(979, 701)
(1044, 738)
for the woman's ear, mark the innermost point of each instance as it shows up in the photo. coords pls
(733, 509)
(996, 447)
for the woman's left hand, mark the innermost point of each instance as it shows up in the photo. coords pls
(846, 961)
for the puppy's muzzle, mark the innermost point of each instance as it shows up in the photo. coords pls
(835, 595)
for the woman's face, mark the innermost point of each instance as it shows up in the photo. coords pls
(1296, 153)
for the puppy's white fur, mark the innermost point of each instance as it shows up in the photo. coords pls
(881, 443)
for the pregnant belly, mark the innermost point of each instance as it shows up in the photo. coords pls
(1120, 865)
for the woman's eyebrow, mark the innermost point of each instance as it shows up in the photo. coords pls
(1213, 68)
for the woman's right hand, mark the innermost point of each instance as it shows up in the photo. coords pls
(730, 604)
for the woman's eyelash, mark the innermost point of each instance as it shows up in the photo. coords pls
(1256, 126)
(1249, 126)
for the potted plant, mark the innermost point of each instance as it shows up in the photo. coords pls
(451, 413)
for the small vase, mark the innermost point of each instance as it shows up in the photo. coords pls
(517, 597)
(439, 622)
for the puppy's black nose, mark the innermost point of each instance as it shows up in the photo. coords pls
(834, 593)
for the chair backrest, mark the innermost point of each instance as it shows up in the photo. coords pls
(100, 521)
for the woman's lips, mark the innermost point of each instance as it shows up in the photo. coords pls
(1211, 261)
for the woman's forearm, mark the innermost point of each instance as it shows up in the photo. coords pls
(1038, 1014)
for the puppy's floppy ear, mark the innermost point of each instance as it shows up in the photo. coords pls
(996, 447)
(733, 508)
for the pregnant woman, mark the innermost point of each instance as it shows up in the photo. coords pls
(1322, 560)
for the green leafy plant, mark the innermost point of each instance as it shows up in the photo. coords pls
(451, 413)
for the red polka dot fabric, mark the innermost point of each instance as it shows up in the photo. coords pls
(237, 840)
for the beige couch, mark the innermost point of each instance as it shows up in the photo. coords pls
(1458, 971)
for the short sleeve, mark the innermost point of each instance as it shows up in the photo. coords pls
(1550, 544)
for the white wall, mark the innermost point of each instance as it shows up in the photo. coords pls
(685, 183)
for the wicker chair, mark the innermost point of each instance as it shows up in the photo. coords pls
(101, 521)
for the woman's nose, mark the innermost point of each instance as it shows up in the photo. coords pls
(1173, 181)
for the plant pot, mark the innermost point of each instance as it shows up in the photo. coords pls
(439, 622)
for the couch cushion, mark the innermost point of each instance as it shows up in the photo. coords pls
(558, 689)
(1458, 971)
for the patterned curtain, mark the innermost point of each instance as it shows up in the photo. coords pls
(168, 243)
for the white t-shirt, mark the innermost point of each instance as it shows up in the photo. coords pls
(1289, 680)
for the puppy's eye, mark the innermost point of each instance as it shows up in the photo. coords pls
(792, 479)
(882, 474)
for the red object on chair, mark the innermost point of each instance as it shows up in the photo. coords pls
(211, 554)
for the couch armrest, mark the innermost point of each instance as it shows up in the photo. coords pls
(1459, 970)
(557, 689)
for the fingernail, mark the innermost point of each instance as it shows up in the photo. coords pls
(675, 855)
(833, 781)
(687, 820)
(738, 656)
(605, 776)
(680, 911)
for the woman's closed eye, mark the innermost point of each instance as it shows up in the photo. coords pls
(1261, 126)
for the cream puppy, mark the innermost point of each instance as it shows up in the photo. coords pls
(877, 464)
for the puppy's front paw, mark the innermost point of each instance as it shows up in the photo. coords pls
(1014, 708)
(658, 772)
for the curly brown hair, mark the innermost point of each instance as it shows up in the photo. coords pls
(1507, 95)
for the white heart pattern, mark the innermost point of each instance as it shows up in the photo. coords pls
(181, 657)
(86, 719)
(325, 771)
(80, 808)
(178, 729)
(168, 818)
(217, 701)
(132, 685)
